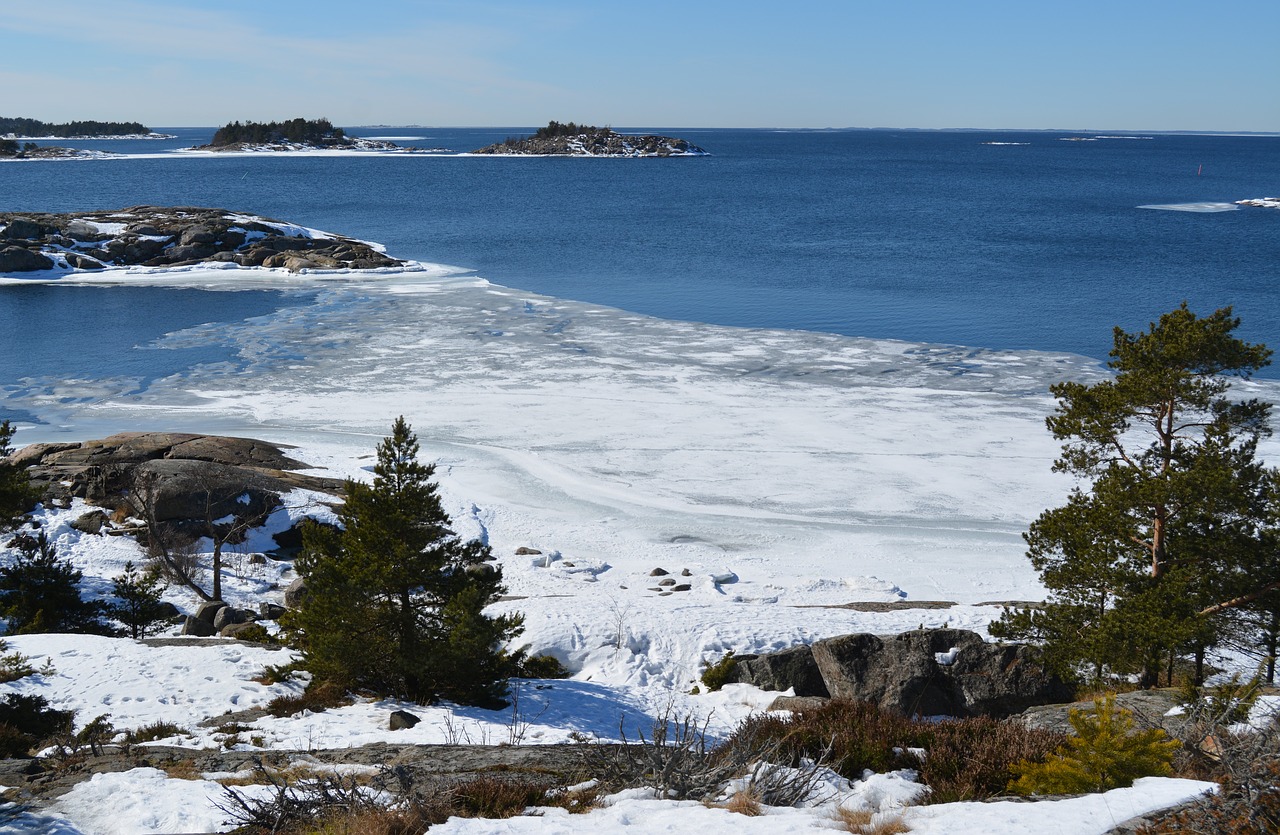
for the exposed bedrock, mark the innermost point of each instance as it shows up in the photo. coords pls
(154, 236)
(169, 477)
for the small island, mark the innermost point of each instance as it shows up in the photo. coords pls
(290, 135)
(21, 128)
(573, 140)
(154, 236)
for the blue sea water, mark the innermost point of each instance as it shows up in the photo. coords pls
(927, 236)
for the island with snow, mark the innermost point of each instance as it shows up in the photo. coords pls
(573, 140)
(291, 135)
(152, 236)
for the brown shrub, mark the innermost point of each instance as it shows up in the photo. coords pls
(967, 759)
(317, 697)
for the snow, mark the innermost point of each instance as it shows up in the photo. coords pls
(780, 475)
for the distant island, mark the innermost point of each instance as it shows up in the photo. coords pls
(558, 139)
(20, 128)
(291, 135)
(12, 149)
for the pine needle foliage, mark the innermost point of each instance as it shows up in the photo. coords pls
(40, 592)
(1106, 753)
(16, 494)
(138, 605)
(391, 606)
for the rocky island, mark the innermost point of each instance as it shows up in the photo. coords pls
(152, 236)
(574, 140)
(291, 135)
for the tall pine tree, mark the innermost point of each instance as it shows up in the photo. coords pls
(1174, 521)
(390, 604)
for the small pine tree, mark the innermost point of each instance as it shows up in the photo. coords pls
(1106, 753)
(41, 593)
(139, 608)
(391, 605)
(16, 495)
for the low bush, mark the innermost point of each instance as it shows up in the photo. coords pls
(542, 666)
(965, 759)
(974, 759)
(318, 696)
(717, 675)
(150, 733)
(28, 721)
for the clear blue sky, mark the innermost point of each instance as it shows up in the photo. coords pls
(1118, 64)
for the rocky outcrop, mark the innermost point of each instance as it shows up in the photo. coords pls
(1150, 708)
(596, 142)
(790, 668)
(927, 672)
(151, 236)
(188, 484)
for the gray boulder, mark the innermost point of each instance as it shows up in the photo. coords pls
(230, 616)
(196, 627)
(790, 668)
(176, 489)
(270, 611)
(208, 611)
(401, 719)
(17, 259)
(295, 593)
(90, 522)
(933, 672)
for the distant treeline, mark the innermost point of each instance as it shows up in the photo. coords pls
(34, 127)
(293, 130)
(556, 129)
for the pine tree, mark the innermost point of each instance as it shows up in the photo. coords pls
(140, 607)
(16, 495)
(391, 605)
(1175, 523)
(1105, 753)
(40, 592)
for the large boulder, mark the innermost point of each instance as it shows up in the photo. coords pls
(932, 672)
(17, 259)
(788, 669)
(169, 490)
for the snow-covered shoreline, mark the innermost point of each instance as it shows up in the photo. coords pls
(786, 472)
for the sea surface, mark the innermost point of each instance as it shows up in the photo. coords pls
(1004, 240)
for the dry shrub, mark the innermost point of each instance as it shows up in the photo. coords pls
(859, 735)
(156, 730)
(744, 803)
(1247, 767)
(182, 770)
(973, 759)
(867, 822)
(968, 759)
(495, 797)
(317, 697)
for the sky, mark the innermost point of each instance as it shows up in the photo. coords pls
(1089, 64)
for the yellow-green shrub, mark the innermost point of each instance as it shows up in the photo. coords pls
(1106, 753)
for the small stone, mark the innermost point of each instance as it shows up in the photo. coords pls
(401, 719)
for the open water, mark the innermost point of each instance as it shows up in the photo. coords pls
(1006, 240)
